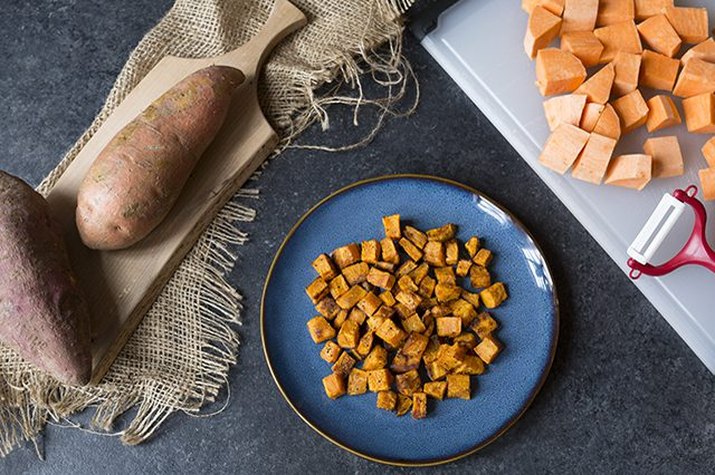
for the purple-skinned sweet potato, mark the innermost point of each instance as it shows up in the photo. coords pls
(136, 180)
(43, 314)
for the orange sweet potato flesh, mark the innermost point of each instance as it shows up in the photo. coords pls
(137, 178)
(43, 315)
(558, 71)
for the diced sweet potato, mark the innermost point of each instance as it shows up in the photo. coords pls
(408, 383)
(356, 273)
(443, 233)
(494, 295)
(615, 11)
(593, 161)
(584, 45)
(709, 152)
(370, 251)
(330, 352)
(350, 298)
(662, 113)
(409, 248)
(451, 251)
(659, 34)
(591, 113)
(463, 267)
(324, 266)
(392, 227)
(700, 113)
(427, 286)
(327, 308)
(488, 348)
(566, 109)
(379, 380)
(344, 364)
(558, 72)
(386, 400)
(658, 71)
(632, 111)
(707, 183)
(704, 51)
(472, 298)
(449, 326)
(417, 237)
(648, 8)
(598, 87)
(404, 404)
(630, 171)
(619, 37)
(389, 251)
(364, 346)
(579, 15)
(421, 272)
(419, 405)
(334, 386)
(369, 303)
(447, 292)
(563, 147)
(320, 329)
(554, 6)
(376, 359)
(391, 334)
(667, 157)
(690, 23)
(357, 382)
(608, 125)
(434, 254)
(379, 278)
(435, 389)
(697, 77)
(628, 68)
(346, 255)
(458, 386)
(483, 325)
(317, 290)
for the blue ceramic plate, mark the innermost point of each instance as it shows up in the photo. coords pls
(454, 427)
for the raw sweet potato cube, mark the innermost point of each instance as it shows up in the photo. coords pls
(324, 266)
(404, 404)
(632, 111)
(406, 267)
(445, 275)
(401, 363)
(472, 298)
(593, 161)
(566, 109)
(320, 329)
(628, 69)
(472, 365)
(334, 385)
(658, 71)
(579, 15)
(340, 319)
(370, 251)
(562, 148)
(406, 284)
(648, 8)
(697, 77)
(365, 344)
(369, 303)
(472, 246)
(391, 334)
(554, 6)
(338, 286)
(344, 364)
(659, 34)
(458, 386)
(558, 72)
(451, 251)
(379, 278)
(464, 310)
(408, 383)
(349, 334)
(409, 299)
(386, 400)
(707, 182)
(483, 257)
(598, 87)
(608, 125)
(414, 324)
(494, 295)
(630, 171)
(488, 348)
(417, 237)
(700, 113)
(420, 272)
(479, 277)
(419, 405)
(447, 292)
(357, 382)
(463, 267)
(389, 251)
(449, 326)
(327, 308)
(591, 113)
(379, 380)
(317, 290)
(443, 233)
(584, 45)
(618, 37)
(690, 23)
(376, 359)
(330, 352)
(483, 325)
(427, 286)
(709, 152)
(615, 11)
(704, 51)
(409, 248)
(435, 389)
(356, 273)
(434, 254)
(346, 255)
(388, 298)
(662, 113)
(392, 226)
(667, 157)
(350, 298)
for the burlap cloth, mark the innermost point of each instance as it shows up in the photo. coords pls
(179, 358)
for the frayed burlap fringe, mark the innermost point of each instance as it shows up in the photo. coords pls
(179, 357)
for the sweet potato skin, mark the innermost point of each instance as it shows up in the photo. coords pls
(135, 181)
(43, 314)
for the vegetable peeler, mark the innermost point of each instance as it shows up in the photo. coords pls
(697, 250)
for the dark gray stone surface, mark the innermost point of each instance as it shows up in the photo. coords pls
(625, 393)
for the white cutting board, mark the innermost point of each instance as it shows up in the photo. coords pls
(479, 43)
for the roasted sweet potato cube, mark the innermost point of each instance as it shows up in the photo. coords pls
(445, 275)
(379, 380)
(417, 237)
(432, 350)
(458, 386)
(419, 273)
(447, 292)
(386, 400)
(392, 226)
(451, 356)
(472, 246)
(330, 352)
(483, 257)
(350, 298)
(391, 334)
(404, 404)
(435, 389)
(427, 286)
(449, 326)
(320, 329)
(349, 334)
(340, 319)
(381, 279)
(410, 249)
(436, 371)
(334, 385)
(415, 345)
(344, 364)
(464, 310)
(443, 233)
(463, 267)
(406, 267)
(488, 348)
(356, 315)
(357, 382)
(370, 251)
(413, 323)
(419, 405)
(338, 286)
(389, 251)
(434, 254)
(409, 299)
(405, 283)
(324, 266)
(376, 359)
(356, 273)
(493, 296)
(388, 298)
(317, 290)
(364, 346)
(401, 363)
(467, 340)
(327, 308)
(369, 303)
(483, 325)
(471, 298)
(346, 255)
(408, 383)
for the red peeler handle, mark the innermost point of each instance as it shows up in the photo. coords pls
(696, 251)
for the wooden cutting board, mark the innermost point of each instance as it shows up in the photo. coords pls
(121, 286)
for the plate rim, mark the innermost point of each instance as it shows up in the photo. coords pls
(398, 462)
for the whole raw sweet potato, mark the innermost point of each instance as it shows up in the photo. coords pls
(137, 178)
(43, 315)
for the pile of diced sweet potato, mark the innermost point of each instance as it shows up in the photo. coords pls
(638, 43)
(397, 305)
